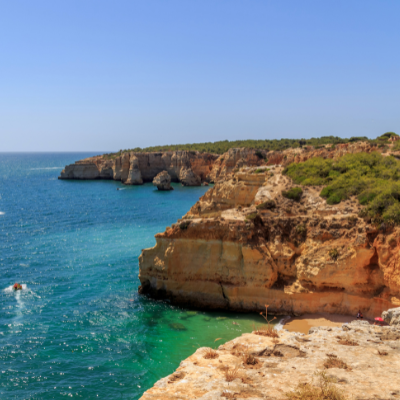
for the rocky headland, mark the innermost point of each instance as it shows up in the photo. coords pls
(244, 245)
(191, 168)
(357, 361)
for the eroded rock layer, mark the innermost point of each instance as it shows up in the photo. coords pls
(244, 245)
(188, 167)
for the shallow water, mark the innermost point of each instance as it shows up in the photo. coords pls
(78, 328)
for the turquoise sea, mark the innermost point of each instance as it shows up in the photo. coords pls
(79, 328)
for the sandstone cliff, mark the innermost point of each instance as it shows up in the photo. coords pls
(298, 257)
(188, 167)
(191, 168)
(357, 361)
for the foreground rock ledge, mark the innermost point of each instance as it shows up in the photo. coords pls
(372, 372)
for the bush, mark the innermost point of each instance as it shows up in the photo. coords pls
(259, 154)
(374, 179)
(293, 193)
(251, 216)
(184, 225)
(334, 254)
(269, 204)
(301, 230)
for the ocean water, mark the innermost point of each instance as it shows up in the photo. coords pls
(79, 328)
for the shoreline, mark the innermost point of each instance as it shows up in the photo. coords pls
(305, 322)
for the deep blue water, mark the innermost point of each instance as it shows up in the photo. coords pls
(79, 329)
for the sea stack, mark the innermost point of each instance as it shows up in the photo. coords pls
(163, 181)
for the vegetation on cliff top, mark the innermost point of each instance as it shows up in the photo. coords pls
(224, 145)
(373, 178)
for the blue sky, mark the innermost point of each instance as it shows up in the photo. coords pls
(104, 75)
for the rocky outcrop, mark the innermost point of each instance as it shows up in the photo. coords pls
(359, 360)
(392, 316)
(163, 181)
(188, 167)
(233, 252)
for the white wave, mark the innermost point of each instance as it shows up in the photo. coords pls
(33, 169)
(281, 323)
(2, 213)
(10, 289)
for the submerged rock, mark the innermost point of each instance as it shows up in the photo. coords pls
(177, 326)
(163, 181)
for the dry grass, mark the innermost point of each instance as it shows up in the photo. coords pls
(334, 362)
(347, 341)
(323, 389)
(382, 353)
(210, 353)
(231, 374)
(268, 330)
(228, 395)
(249, 359)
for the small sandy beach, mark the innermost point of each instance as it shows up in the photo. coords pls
(305, 322)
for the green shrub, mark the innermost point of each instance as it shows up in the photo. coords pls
(392, 214)
(301, 229)
(251, 216)
(266, 205)
(334, 254)
(293, 193)
(260, 170)
(374, 179)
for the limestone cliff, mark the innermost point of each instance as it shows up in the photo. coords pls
(357, 361)
(188, 167)
(244, 245)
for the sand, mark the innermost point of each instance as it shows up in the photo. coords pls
(305, 322)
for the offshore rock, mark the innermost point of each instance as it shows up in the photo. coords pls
(361, 360)
(163, 181)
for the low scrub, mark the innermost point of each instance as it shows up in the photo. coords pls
(334, 254)
(322, 388)
(334, 362)
(268, 205)
(293, 193)
(210, 353)
(373, 178)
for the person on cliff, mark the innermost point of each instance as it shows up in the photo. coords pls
(360, 315)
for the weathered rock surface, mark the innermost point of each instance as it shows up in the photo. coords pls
(228, 254)
(370, 369)
(163, 181)
(392, 316)
(188, 167)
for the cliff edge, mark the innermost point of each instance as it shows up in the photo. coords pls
(358, 361)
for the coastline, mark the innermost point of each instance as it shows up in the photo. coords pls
(305, 322)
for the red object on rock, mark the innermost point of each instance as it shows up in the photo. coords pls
(379, 319)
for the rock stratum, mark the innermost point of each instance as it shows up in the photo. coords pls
(244, 245)
(358, 361)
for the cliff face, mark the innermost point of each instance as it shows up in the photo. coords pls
(188, 167)
(298, 257)
(191, 167)
(360, 360)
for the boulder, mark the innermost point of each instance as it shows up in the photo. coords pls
(163, 181)
(392, 316)
(189, 178)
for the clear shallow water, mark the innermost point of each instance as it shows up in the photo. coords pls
(79, 329)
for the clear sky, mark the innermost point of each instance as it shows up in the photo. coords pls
(105, 75)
